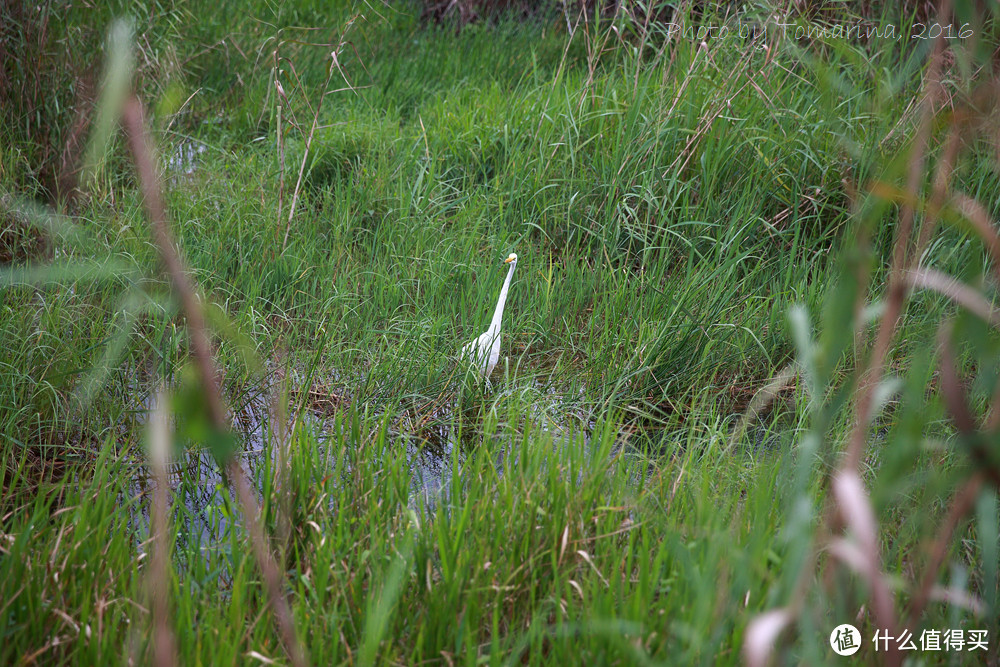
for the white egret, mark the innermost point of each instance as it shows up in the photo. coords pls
(484, 351)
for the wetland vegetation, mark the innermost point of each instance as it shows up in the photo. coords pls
(748, 388)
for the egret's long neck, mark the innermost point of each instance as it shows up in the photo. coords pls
(498, 313)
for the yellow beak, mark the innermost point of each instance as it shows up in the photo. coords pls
(508, 260)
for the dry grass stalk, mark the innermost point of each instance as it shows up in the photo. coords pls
(142, 152)
(762, 634)
(314, 125)
(958, 292)
(897, 279)
(962, 503)
(858, 515)
(164, 645)
(761, 400)
(965, 423)
(851, 507)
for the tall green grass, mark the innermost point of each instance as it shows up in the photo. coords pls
(689, 221)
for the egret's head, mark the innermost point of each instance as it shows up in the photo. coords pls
(511, 259)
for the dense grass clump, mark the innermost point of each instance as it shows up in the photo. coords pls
(749, 350)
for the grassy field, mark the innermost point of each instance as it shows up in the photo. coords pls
(748, 388)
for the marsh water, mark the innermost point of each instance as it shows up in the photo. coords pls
(435, 452)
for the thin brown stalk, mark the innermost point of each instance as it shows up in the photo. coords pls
(984, 227)
(939, 189)
(142, 152)
(281, 166)
(727, 94)
(761, 400)
(857, 514)
(853, 508)
(762, 634)
(642, 47)
(279, 416)
(958, 292)
(201, 346)
(961, 505)
(67, 181)
(164, 645)
(897, 280)
(958, 410)
(334, 65)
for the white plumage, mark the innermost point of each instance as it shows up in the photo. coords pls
(484, 351)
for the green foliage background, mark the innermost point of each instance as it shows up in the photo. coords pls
(670, 203)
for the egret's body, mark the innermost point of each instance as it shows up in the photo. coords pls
(484, 351)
